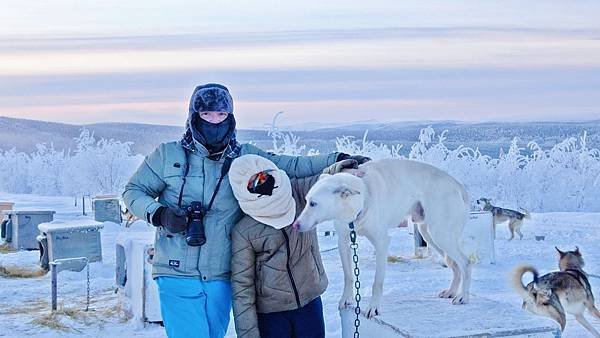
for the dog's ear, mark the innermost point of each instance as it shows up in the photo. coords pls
(346, 192)
(577, 252)
(560, 253)
(322, 176)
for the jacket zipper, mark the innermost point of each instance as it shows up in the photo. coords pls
(289, 270)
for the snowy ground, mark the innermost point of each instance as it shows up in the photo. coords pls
(25, 303)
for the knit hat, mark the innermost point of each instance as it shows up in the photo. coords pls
(278, 209)
(211, 97)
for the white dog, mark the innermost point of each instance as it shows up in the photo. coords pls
(389, 191)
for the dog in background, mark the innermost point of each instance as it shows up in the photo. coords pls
(556, 293)
(500, 215)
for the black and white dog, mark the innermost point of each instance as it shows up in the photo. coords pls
(500, 215)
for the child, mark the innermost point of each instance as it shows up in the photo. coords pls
(277, 273)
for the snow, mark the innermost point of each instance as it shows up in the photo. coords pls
(409, 291)
(82, 222)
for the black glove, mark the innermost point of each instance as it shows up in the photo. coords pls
(174, 220)
(359, 158)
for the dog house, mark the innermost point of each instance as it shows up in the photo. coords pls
(477, 238)
(75, 238)
(20, 229)
(138, 294)
(106, 208)
(5, 206)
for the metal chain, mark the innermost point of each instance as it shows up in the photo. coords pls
(87, 304)
(357, 297)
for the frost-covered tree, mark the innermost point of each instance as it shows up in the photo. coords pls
(44, 170)
(14, 173)
(284, 142)
(565, 177)
(99, 167)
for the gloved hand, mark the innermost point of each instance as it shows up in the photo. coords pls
(338, 167)
(359, 158)
(174, 220)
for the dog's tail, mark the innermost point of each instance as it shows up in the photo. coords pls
(526, 213)
(518, 279)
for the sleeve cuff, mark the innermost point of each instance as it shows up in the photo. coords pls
(150, 210)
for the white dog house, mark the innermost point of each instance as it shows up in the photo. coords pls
(75, 238)
(106, 208)
(21, 228)
(477, 239)
(5, 206)
(138, 293)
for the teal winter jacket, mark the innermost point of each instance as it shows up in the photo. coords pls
(158, 182)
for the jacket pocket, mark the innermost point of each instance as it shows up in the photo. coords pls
(259, 278)
(170, 251)
(317, 263)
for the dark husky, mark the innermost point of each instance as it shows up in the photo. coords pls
(514, 218)
(554, 294)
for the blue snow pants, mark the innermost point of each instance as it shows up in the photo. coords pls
(305, 322)
(192, 308)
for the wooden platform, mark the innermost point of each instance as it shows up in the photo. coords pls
(434, 317)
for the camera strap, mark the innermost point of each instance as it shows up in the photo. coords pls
(224, 171)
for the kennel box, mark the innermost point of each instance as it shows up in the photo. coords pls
(478, 237)
(106, 208)
(70, 239)
(138, 293)
(20, 228)
(5, 206)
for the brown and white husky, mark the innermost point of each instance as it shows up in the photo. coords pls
(557, 293)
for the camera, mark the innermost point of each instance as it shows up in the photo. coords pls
(194, 235)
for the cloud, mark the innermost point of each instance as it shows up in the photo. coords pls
(392, 73)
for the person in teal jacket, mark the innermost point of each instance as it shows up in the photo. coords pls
(182, 188)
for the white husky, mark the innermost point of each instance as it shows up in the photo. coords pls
(389, 191)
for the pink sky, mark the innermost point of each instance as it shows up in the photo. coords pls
(498, 61)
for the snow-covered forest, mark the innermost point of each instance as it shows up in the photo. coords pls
(94, 167)
(565, 177)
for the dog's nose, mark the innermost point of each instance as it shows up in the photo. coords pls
(296, 225)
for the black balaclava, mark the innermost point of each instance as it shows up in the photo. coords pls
(213, 136)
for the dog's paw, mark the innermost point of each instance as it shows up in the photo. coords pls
(344, 302)
(373, 310)
(460, 299)
(447, 294)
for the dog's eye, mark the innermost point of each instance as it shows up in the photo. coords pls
(312, 204)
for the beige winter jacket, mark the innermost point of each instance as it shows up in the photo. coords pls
(275, 270)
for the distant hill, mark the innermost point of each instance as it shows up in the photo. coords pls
(25, 134)
(489, 137)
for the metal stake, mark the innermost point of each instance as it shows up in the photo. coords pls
(82, 263)
(54, 271)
